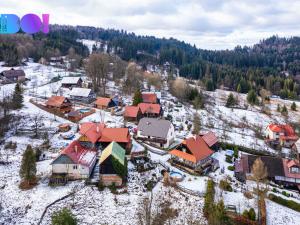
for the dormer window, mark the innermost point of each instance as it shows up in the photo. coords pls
(294, 169)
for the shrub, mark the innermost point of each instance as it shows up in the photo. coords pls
(225, 185)
(248, 195)
(285, 194)
(274, 190)
(113, 188)
(252, 214)
(228, 159)
(63, 217)
(101, 186)
(288, 203)
(231, 168)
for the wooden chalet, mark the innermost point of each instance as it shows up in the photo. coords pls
(150, 110)
(113, 165)
(70, 82)
(132, 113)
(14, 75)
(104, 103)
(84, 95)
(59, 103)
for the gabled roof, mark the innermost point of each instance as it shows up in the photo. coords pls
(70, 80)
(55, 101)
(287, 164)
(149, 97)
(120, 135)
(183, 155)
(92, 131)
(13, 73)
(102, 101)
(284, 128)
(198, 147)
(131, 111)
(154, 127)
(82, 92)
(97, 132)
(210, 138)
(78, 154)
(115, 150)
(149, 108)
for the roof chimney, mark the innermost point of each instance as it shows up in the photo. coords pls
(76, 148)
(97, 129)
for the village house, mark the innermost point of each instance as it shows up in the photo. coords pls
(70, 82)
(279, 134)
(210, 139)
(132, 113)
(85, 95)
(285, 172)
(75, 162)
(193, 153)
(149, 97)
(14, 75)
(59, 103)
(150, 110)
(104, 103)
(158, 132)
(98, 135)
(113, 165)
(296, 149)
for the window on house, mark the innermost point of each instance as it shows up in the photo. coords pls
(294, 169)
(75, 167)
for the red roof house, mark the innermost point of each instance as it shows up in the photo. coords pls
(61, 103)
(284, 134)
(98, 133)
(149, 98)
(132, 113)
(192, 152)
(210, 138)
(75, 161)
(104, 103)
(150, 110)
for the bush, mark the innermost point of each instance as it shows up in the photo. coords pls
(288, 203)
(285, 194)
(101, 186)
(225, 185)
(63, 217)
(113, 188)
(228, 159)
(274, 190)
(252, 214)
(231, 168)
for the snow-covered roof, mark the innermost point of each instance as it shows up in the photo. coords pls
(82, 92)
(70, 80)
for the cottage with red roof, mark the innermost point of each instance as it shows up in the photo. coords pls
(132, 113)
(104, 103)
(149, 97)
(150, 110)
(59, 103)
(96, 134)
(75, 161)
(193, 153)
(284, 135)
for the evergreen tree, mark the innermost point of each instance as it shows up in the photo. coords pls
(252, 97)
(28, 165)
(219, 215)
(239, 89)
(17, 100)
(63, 217)
(231, 101)
(137, 98)
(278, 108)
(198, 102)
(284, 111)
(294, 106)
(196, 123)
(209, 85)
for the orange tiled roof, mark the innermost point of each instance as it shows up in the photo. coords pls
(91, 130)
(55, 101)
(287, 129)
(131, 111)
(198, 147)
(183, 155)
(102, 101)
(149, 108)
(115, 134)
(149, 97)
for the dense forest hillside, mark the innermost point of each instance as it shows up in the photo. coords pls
(271, 64)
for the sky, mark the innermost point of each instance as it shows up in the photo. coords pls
(209, 24)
